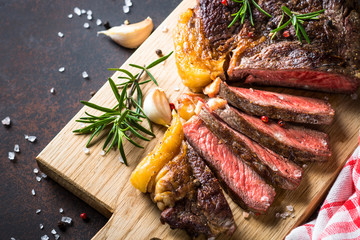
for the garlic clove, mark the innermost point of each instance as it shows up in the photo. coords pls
(132, 35)
(157, 107)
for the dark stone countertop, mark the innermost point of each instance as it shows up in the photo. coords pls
(30, 55)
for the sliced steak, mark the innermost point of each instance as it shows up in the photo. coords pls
(242, 183)
(296, 143)
(278, 106)
(330, 63)
(204, 210)
(273, 167)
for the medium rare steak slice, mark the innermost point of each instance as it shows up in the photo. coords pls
(297, 143)
(278, 106)
(242, 183)
(330, 63)
(273, 167)
(204, 210)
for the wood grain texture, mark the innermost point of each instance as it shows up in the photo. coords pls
(103, 181)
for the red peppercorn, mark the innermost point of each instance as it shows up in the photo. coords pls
(265, 119)
(172, 106)
(251, 34)
(286, 34)
(281, 123)
(83, 216)
(224, 2)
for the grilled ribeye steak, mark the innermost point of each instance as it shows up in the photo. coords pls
(276, 169)
(277, 105)
(242, 183)
(295, 143)
(330, 63)
(204, 210)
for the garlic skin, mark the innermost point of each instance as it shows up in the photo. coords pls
(157, 107)
(132, 35)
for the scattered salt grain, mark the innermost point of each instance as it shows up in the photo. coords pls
(304, 166)
(31, 138)
(16, 148)
(290, 208)
(89, 17)
(53, 232)
(67, 220)
(38, 211)
(126, 9)
(89, 12)
(52, 90)
(41, 226)
(121, 159)
(86, 150)
(77, 11)
(246, 215)
(164, 29)
(60, 34)
(45, 237)
(26, 137)
(6, 121)
(83, 11)
(292, 215)
(176, 89)
(102, 153)
(98, 22)
(38, 178)
(86, 25)
(56, 236)
(43, 175)
(70, 16)
(61, 210)
(11, 156)
(128, 3)
(85, 74)
(62, 69)
(277, 215)
(12, 238)
(33, 192)
(36, 170)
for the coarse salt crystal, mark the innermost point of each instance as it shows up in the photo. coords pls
(61, 210)
(70, 16)
(292, 215)
(164, 29)
(61, 69)
(102, 153)
(52, 90)
(45, 237)
(43, 175)
(38, 178)
(98, 22)
(67, 220)
(85, 74)
(89, 17)
(176, 89)
(38, 211)
(26, 137)
(33, 192)
(6, 121)
(290, 208)
(86, 150)
(56, 236)
(304, 165)
(36, 170)
(11, 156)
(277, 215)
(60, 34)
(121, 159)
(53, 232)
(41, 226)
(246, 215)
(126, 9)
(89, 12)
(83, 11)
(128, 3)
(31, 138)
(86, 25)
(77, 11)
(12, 238)
(16, 148)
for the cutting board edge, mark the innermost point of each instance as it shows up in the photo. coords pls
(74, 188)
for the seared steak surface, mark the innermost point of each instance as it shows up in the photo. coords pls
(330, 63)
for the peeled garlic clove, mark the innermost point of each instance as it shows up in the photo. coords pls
(132, 35)
(157, 107)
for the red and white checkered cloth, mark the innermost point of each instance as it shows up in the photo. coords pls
(339, 216)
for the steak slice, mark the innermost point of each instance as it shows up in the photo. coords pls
(278, 106)
(273, 167)
(295, 143)
(204, 210)
(242, 183)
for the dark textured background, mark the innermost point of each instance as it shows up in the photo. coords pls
(30, 55)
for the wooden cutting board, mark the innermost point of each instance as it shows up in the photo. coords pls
(103, 182)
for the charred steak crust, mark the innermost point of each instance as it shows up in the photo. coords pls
(197, 134)
(289, 141)
(205, 211)
(274, 168)
(277, 105)
(330, 63)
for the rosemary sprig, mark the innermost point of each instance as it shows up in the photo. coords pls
(244, 10)
(123, 121)
(296, 20)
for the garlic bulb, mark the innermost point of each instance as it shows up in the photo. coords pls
(157, 107)
(132, 35)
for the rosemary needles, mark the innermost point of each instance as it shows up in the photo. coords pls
(123, 121)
